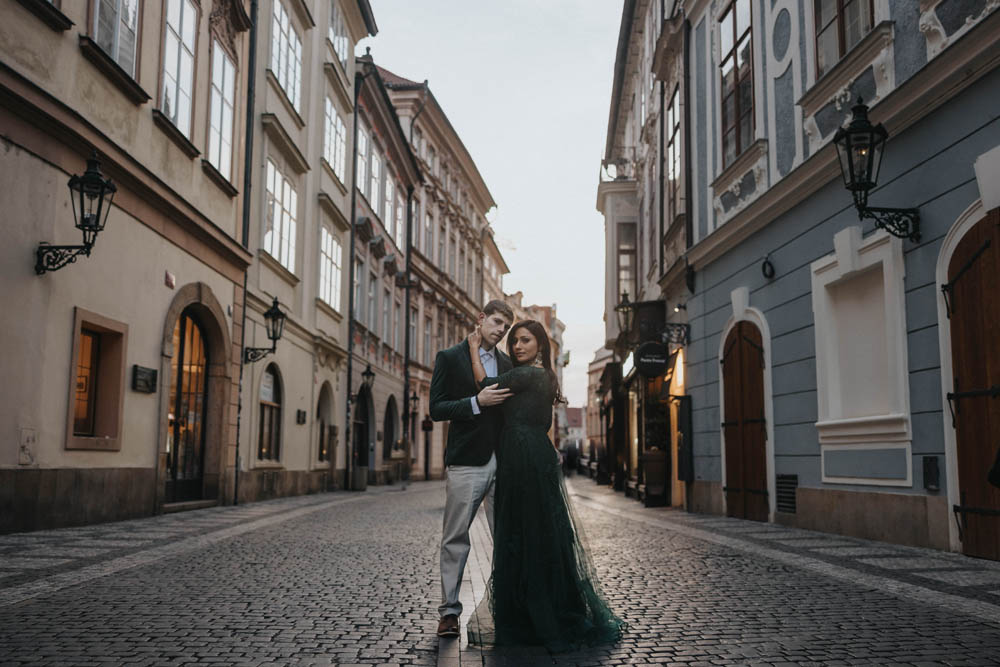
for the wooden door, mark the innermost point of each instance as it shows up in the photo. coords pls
(973, 301)
(743, 423)
(186, 420)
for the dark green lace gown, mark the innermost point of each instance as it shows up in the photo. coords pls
(543, 591)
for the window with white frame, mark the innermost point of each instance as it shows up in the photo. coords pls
(115, 30)
(335, 141)
(286, 55)
(400, 216)
(330, 262)
(386, 323)
(427, 341)
(673, 165)
(389, 215)
(461, 267)
(279, 230)
(840, 25)
(428, 234)
(178, 63)
(373, 303)
(220, 128)
(359, 279)
(413, 330)
(398, 314)
(376, 182)
(338, 33)
(736, 73)
(442, 250)
(362, 182)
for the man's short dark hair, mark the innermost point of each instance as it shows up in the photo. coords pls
(498, 306)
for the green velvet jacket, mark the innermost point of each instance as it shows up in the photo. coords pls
(471, 437)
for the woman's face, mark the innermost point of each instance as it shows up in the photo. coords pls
(525, 346)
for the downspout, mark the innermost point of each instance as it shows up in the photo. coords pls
(423, 103)
(406, 332)
(247, 180)
(688, 219)
(349, 452)
(663, 269)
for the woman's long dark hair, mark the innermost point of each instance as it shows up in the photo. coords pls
(544, 349)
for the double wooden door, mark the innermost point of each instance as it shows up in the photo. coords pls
(973, 299)
(743, 424)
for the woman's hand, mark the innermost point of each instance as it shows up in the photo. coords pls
(475, 338)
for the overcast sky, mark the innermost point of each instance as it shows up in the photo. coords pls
(527, 85)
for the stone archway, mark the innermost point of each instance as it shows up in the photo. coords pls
(390, 428)
(197, 300)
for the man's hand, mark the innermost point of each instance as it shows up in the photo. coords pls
(492, 396)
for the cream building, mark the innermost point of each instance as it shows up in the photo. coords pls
(121, 368)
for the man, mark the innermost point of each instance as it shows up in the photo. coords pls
(470, 455)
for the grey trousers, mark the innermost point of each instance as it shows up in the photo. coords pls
(468, 486)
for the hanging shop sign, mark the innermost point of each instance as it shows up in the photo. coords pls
(651, 359)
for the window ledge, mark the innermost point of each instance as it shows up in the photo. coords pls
(847, 69)
(333, 176)
(172, 131)
(279, 268)
(328, 309)
(283, 96)
(861, 430)
(94, 443)
(113, 71)
(216, 177)
(267, 465)
(48, 13)
(338, 79)
(327, 204)
(273, 128)
(733, 174)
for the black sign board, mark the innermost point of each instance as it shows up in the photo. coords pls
(143, 379)
(651, 359)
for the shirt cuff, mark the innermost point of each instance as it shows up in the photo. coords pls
(475, 406)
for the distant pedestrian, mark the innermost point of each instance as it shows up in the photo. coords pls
(471, 450)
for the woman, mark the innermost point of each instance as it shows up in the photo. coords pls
(543, 590)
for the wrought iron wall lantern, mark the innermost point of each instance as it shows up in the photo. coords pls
(860, 147)
(625, 310)
(414, 402)
(90, 214)
(274, 321)
(368, 377)
(678, 307)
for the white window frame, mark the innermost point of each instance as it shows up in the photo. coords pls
(120, 23)
(330, 266)
(386, 314)
(281, 216)
(223, 107)
(400, 223)
(362, 149)
(389, 206)
(335, 140)
(373, 303)
(376, 181)
(337, 33)
(180, 42)
(286, 55)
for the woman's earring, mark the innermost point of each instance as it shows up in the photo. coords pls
(538, 359)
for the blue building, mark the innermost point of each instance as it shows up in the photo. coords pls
(840, 377)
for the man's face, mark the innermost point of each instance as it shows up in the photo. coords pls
(493, 327)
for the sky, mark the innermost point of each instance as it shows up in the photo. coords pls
(527, 86)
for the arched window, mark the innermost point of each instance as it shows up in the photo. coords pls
(389, 431)
(269, 442)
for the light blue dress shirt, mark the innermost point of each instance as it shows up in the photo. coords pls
(489, 359)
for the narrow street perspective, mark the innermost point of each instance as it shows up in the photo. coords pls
(524, 332)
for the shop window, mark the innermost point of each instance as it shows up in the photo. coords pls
(269, 437)
(97, 382)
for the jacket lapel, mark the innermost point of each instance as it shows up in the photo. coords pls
(465, 365)
(503, 363)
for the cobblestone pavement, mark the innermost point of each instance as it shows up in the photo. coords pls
(352, 579)
(708, 590)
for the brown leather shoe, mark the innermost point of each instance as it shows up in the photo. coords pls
(448, 626)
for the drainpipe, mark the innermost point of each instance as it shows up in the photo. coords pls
(247, 179)
(406, 333)
(688, 220)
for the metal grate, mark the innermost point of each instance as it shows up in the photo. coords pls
(786, 485)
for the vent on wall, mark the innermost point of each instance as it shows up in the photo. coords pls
(786, 485)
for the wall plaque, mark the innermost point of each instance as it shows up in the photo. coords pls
(143, 379)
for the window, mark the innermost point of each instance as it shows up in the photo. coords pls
(396, 335)
(432, 160)
(673, 138)
(461, 268)
(400, 223)
(427, 341)
(386, 322)
(428, 234)
(737, 80)
(178, 63)
(840, 25)
(373, 303)
(220, 129)
(376, 183)
(330, 257)
(286, 54)
(115, 27)
(359, 279)
(335, 141)
(279, 234)
(442, 241)
(418, 141)
(452, 242)
(362, 161)
(86, 383)
(440, 332)
(414, 316)
(269, 439)
(338, 33)
(626, 260)
(390, 218)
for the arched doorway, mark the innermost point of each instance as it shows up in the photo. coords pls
(972, 300)
(744, 423)
(188, 400)
(362, 427)
(324, 425)
(389, 428)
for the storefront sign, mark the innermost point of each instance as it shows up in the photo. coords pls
(651, 359)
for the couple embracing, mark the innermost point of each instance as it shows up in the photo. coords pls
(543, 590)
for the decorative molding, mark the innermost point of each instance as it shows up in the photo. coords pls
(283, 96)
(668, 48)
(216, 177)
(338, 80)
(933, 31)
(754, 159)
(329, 310)
(333, 176)
(49, 13)
(278, 268)
(161, 121)
(302, 9)
(113, 71)
(278, 135)
(332, 210)
(226, 20)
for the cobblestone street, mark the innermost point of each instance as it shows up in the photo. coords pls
(352, 579)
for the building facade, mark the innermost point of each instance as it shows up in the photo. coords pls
(122, 366)
(830, 362)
